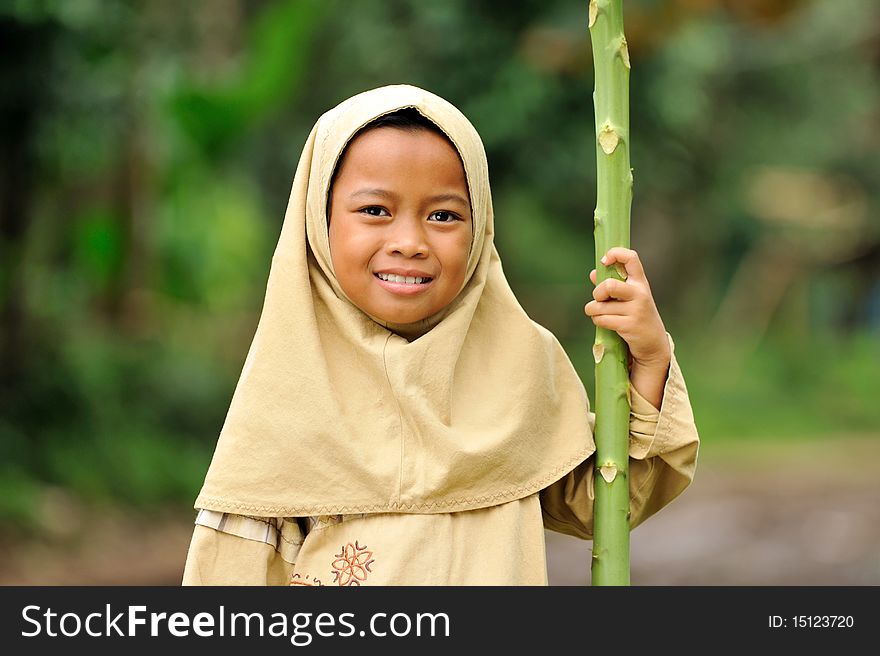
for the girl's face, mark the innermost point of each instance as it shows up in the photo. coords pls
(400, 224)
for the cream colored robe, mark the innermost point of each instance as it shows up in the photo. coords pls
(499, 545)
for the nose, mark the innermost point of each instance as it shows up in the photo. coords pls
(407, 237)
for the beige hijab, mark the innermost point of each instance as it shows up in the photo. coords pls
(337, 412)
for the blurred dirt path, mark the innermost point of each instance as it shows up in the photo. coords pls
(761, 514)
(110, 548)
(764, 514)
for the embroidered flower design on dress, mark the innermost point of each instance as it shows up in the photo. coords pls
(298, 579)
(352, 564)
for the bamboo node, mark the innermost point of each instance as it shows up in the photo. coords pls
(624, 52)
(594, 11)
(608, 139)
(598, 352)
(609, 472)
(597, 220)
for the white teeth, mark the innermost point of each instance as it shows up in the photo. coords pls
(390, 277)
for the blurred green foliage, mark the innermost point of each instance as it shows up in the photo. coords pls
(148, 150)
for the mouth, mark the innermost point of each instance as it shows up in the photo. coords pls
(403, 285)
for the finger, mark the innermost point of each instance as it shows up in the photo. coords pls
(593, 276)
(628, 258)
(611, 322)
(608, 308)
(611, 288)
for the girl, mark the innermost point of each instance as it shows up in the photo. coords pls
(399, 418)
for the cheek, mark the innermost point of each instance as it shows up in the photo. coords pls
(340, 237)
(350, 250)
(457, 256)
(340, 254)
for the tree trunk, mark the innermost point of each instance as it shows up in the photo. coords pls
(22, 57)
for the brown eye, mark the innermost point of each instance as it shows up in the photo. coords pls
(443, 216)
(374, 210)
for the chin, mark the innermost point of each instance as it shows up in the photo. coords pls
(401, 317)
(404, 319)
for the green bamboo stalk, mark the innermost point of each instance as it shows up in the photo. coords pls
(611, 223)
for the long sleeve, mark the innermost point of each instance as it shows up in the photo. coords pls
(663, 447)
(236, 550)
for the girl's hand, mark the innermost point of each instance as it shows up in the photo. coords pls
(627, 307)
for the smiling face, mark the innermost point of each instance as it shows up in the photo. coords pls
(400, 223)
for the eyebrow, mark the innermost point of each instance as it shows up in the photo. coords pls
(384, 193)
